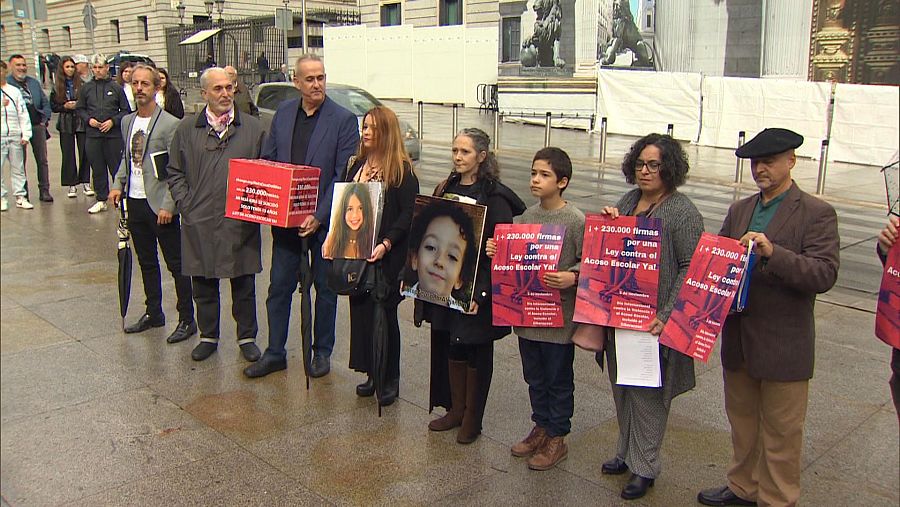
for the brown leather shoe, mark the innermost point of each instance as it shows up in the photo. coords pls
(548, 455)
(453, 417)
(531, 443)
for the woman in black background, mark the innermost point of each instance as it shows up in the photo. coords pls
(382, 157)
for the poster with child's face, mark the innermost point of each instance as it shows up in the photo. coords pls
(355, 220)
(444, 247)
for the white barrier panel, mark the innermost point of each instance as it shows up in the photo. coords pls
(866, 124)
(389, 57)
(480, 64)
(733, 104)
(432, 64)
(345, 55)
(438, 72)
(639, 102)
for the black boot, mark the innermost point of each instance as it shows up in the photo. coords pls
(391, 391)
(454, 416)
(471, 421)
(637, 487)
(366, 389)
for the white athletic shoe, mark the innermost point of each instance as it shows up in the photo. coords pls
(73, 192)
(98, 207)
(22, 202)
(88, 191)
(4, 204)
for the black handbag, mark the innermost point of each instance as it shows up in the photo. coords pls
(351, 277)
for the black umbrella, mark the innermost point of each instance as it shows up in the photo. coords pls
(306, 280)
(380, 293)
(125, 261)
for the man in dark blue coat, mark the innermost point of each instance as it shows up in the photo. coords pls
(311, 130)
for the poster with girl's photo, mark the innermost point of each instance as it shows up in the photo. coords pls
(355, 219)
(444, 247)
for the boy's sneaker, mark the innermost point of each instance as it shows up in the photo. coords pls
(98, 207)
(548, 455)
(531, 443)
(4, 204)
(88, 191)
(22, 202)
(73, 192)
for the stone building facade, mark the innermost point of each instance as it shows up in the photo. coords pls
(137, 26)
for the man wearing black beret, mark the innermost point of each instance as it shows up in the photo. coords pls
(768, 349)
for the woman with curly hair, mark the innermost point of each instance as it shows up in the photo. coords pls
(658, 165)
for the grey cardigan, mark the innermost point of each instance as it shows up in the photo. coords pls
(569, 260)
(682, 225)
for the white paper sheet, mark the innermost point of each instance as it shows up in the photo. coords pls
(637, 359)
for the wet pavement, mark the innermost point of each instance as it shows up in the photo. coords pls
(91, 416)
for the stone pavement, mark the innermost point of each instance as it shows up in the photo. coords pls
(91, 416)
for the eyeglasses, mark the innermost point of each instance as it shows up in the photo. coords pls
(652, 166)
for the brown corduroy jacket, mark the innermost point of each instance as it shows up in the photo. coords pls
(774, 337)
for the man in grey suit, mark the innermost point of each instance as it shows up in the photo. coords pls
(152, 215)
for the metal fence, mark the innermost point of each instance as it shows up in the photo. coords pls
(240, 43)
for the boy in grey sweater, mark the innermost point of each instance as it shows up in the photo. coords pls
(548, 353)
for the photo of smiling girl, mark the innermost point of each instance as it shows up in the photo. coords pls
(443, 252)
(354, 221)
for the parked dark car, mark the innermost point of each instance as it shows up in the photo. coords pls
(116, 60)
(269, 95)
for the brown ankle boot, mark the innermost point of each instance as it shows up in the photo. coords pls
(552, 452)
(531, 443)
(471, 421)
(454, 416)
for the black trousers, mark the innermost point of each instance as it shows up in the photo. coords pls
(74, 170)
(243, 306)
(547, 368)
(39, 148)
(104, 155)
(84, 165)
(145, 234)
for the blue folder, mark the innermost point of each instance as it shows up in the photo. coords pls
(740, 299)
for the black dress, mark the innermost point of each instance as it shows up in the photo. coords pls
(396, 219)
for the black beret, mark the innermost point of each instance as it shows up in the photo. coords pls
(770, 142)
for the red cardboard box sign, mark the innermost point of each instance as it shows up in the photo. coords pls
(271, 193)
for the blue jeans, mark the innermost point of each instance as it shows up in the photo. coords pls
(286, 245)
(548, 370)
